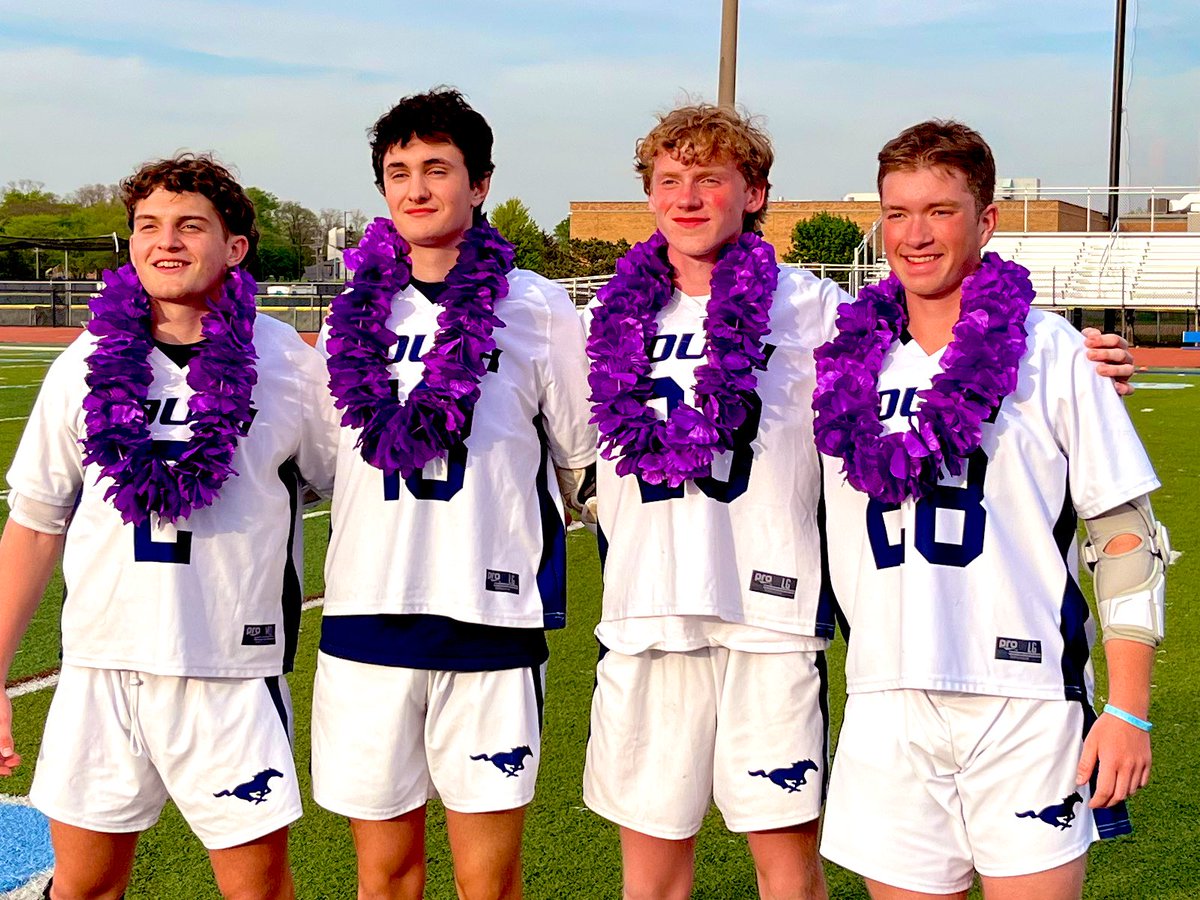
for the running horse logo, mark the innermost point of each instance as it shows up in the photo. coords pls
(510, 762)
(790, 778)
(1060, 815)
(256, 789)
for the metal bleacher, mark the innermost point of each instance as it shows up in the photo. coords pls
(1152, 271)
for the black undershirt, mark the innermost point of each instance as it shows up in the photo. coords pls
(180, 354)
(432, 290)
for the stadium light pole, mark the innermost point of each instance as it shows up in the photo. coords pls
(1114, 146)
(727, 76)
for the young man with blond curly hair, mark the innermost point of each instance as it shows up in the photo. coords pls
(712, 678)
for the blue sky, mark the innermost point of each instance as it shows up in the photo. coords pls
(286, 91)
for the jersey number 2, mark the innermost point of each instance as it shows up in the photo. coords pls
(967, 500)
(145, 547)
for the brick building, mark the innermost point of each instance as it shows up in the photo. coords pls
(633, 221)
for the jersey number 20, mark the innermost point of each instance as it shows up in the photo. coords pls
(739, 466)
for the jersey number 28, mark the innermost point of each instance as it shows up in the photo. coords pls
(967, 500)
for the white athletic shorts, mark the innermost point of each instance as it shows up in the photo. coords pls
(386, 739)
(929, 787)
(118, 744)
(672, 731)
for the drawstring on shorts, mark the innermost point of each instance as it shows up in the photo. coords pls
(137, 740)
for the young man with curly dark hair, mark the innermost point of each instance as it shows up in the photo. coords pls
(163, 458)
(462, 381)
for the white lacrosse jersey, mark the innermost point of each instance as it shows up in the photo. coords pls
(479, 535)
(733, 559)
(975, 588)
(217, 594)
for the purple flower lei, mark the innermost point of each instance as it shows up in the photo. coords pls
(403, 437)
(222, 377)
(979, 369)
(681, 446)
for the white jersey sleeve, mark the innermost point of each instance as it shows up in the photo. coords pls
(48, 463)
(564, 386)
(316, 456)
(1108, 464)
(975, 588)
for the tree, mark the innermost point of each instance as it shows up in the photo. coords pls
(562, 231)
(95, 194)
(329, 219)
(301, 227)
(825, 238)
(513, 220)
(265, 204)
(581, 258)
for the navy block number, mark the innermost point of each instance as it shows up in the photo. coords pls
(739, 466)
(145, 548)
(967, 500)
(431, 488)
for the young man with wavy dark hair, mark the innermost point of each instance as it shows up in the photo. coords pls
(461, 381)
(163, 458)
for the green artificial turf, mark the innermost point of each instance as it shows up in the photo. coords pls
(570, 852)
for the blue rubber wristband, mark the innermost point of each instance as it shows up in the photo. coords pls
(1133, 720)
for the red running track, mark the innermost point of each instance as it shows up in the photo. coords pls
(1145, 357)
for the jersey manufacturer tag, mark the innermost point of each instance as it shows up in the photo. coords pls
(1018, 650)
(775, 585)
(258, 635)
(503, 582)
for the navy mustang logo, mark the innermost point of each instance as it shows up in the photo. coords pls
(1060, 815)
(509, 763)
(256, 789)
(791, 777)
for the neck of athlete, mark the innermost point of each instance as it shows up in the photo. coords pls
(693, 274)
(177, 321)
(433, 263)
(931, 321)
(932, 317)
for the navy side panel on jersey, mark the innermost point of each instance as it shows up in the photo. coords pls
(552, 568)
(293, 594)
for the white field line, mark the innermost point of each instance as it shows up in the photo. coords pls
(48, 681)
(14, 418)
(32, 687)
(33, 890)
(316, 515)
(9, 387)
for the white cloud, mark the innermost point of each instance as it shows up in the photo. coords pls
(566, 110)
